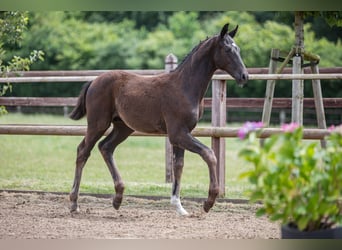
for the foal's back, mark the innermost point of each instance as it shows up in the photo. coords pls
(139, 101)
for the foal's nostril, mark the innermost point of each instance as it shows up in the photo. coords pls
(244, 77)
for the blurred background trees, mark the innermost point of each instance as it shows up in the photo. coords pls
(110, 40)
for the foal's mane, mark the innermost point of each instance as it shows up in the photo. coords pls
(192, 52)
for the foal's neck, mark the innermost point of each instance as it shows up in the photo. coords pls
(197, 70)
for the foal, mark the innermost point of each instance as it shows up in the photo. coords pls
(167, 103)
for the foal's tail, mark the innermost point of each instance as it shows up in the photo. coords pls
(80, 109)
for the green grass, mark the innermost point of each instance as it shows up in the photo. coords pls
(47, 163)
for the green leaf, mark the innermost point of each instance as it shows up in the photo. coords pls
(260, 212)
(246, 174)
(277, 216)
(302, 210)
(257, 196)
(303, 223)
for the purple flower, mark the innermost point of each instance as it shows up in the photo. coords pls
(336, 129)
(249, 127)
(289, 127)
(332, 128)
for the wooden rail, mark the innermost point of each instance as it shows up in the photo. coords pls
(56, 79)
(38, 101)
(33, 73)
(230, 102)
(80, 130)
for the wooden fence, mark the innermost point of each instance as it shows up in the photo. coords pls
(218, 103)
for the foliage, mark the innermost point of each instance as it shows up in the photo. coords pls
(326, 24)
(182, 32)
(12, 26)
(333, 18)
(71, 44)
(297, 182)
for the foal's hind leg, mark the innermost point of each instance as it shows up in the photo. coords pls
(178, 163)
(83, 153)
(119, 133)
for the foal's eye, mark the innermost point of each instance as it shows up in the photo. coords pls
(228, 49)
(231, 47)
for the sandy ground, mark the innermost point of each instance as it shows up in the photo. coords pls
(47, 216)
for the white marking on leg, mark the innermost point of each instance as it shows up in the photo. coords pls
(175, 201)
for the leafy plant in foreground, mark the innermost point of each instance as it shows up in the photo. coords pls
(298, 183)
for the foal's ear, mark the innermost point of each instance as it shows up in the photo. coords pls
(233, 32)
(224, 30)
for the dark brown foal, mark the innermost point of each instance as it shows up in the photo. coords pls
(167, 103)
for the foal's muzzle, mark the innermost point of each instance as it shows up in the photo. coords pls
(242, 79)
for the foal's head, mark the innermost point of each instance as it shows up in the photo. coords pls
(227, 56)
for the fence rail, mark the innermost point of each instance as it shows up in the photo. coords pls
(230, 102)
(32, 73)
(215, 77)
(80, 130)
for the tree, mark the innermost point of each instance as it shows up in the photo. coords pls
(298, 53)
(12, 26)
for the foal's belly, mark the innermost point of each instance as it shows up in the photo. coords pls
(141, 115)
(145, 126)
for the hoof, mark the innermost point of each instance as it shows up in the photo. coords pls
(119, 189)
(117, 201)
(182, 212)
(207, 205)
(74, 208)
(175, 201)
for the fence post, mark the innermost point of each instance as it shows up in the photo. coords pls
(170, 64)
(317, 92)
(266, 112)
(297, 92)
(65, 111)
(218, 119)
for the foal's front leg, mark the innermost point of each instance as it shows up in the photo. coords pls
(187, 141)
(178, 162)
